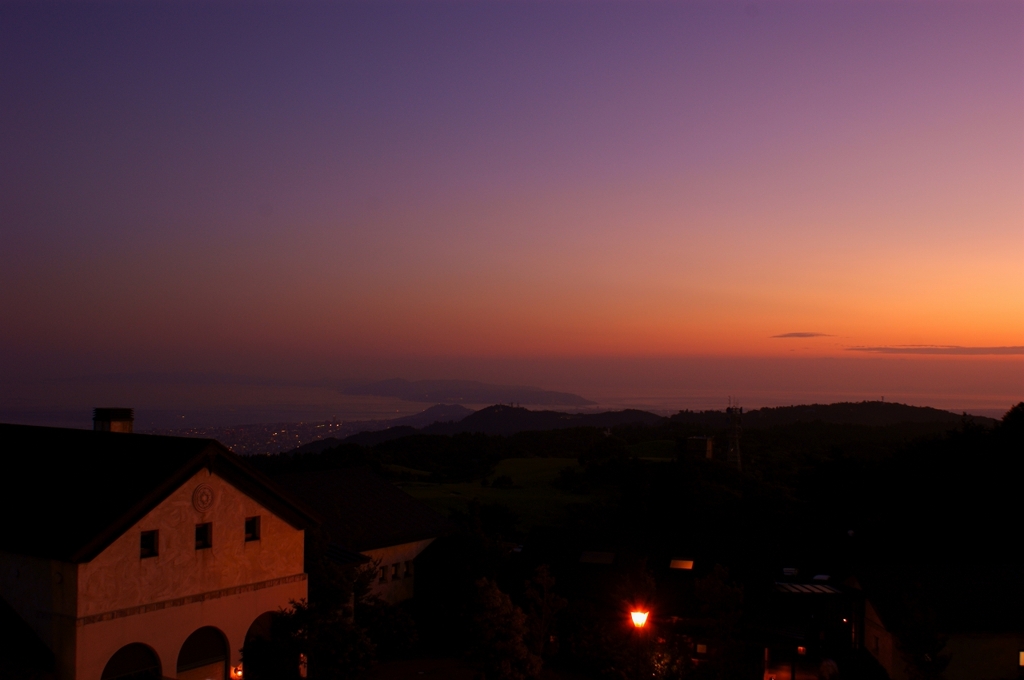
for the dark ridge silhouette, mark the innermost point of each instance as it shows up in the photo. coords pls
(369, 438)
(507, 420)
(441, 413)
(384, 430)
(493, 420)
(870, 413)
(465, 392)
(318, 445)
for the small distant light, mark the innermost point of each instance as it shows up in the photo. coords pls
(681, 564)
(802, 651)
(702, 649)
(845, 621)
(236, 672)
(639, 618)
(1020, 658)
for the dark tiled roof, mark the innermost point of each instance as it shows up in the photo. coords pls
(23, 656)
(362, 511)
(67, 494)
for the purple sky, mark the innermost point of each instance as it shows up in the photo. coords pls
(442, 189)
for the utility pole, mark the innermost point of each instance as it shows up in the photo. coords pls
(734, 414)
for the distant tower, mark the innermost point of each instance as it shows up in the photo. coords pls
(734, 414)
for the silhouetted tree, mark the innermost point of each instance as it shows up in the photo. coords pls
(500, 629)
(542, 606)
(327, 640)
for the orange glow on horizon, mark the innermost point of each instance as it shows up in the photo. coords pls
(710, 202)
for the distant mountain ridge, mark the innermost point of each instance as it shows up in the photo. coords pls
(870, 413)
(441, 413)
(465, 392)
(507, 420)
(499, 419)
(391, 429)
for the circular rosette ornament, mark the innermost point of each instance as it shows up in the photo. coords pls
(203, 498)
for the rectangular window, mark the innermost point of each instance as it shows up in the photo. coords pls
(383, 575)
(150, 544)
(252, 528)
(204, 536)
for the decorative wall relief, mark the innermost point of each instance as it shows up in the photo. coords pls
(203, 498)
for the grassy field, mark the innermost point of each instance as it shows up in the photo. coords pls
(656, 450)
(532, 495)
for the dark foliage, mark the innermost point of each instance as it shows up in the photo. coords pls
(391, 628)
(341, 630)
(543, 605)
(888, 502)
(500, 630)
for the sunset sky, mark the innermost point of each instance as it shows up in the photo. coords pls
(509, 190)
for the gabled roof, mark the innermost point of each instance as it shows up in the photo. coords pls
(68, 494)
(23, 656)
(362, 511)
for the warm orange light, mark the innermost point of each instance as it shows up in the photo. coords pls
(639, 618)
(801, 651)
(236, 672)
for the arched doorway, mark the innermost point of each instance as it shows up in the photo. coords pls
(204, 656)
(133, 662)
(259, 659)
(260, 628)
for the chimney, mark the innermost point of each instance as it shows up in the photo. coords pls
(113, 419)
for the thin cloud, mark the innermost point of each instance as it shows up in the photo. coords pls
(940, 349)
(803, 334)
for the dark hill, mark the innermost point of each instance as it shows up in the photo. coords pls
(441, 413)
(496, 420)
(375, 431)
(378, 436)
(508, 420)
(868, 413)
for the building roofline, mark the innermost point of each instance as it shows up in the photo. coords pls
(216, 458)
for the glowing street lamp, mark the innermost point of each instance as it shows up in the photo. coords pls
(639, 619)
